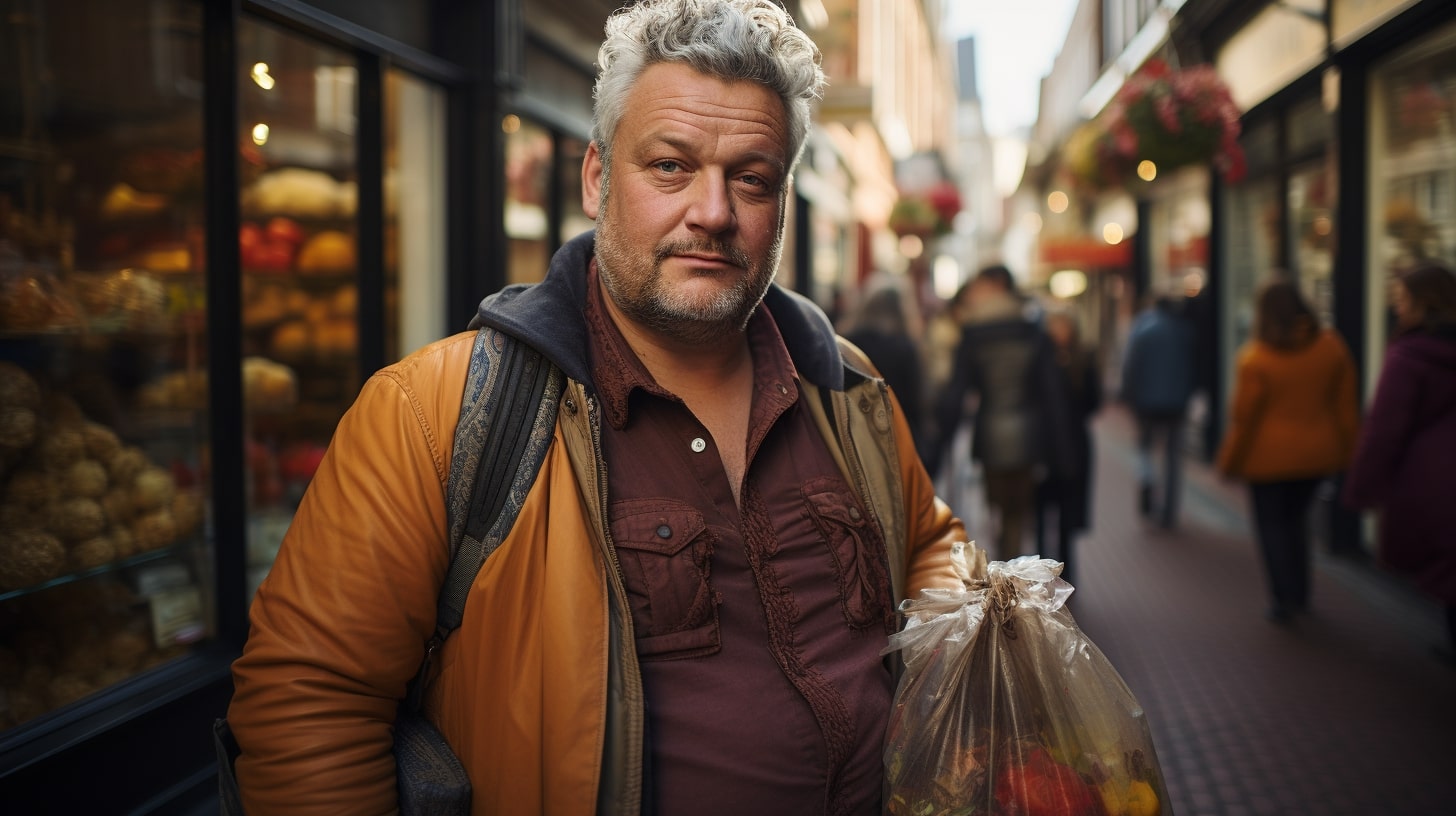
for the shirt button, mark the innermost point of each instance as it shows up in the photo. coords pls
(664, 531)
(854, 513)
(783, 389)
(699, 445)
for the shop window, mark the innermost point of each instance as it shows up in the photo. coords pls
(105, 568)
(527, 205)
(1413, 169)
(1311, 223)
(1252, 237)
(414, 214)
(573, 220)
(300, 281)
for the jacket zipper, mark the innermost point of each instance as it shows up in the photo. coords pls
(632, 670)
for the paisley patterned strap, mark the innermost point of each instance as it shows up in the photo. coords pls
(507, 418)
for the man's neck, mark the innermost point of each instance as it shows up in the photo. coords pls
(687, 368)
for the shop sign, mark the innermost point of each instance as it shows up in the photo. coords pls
(1085, 252)
(1279, 45)
(1352, 19)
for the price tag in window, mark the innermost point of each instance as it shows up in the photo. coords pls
(177, 617)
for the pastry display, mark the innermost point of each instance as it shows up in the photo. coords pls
(328, 252)
(300, 193)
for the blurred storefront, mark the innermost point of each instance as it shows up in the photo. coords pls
(216, 220)
(1344, 168)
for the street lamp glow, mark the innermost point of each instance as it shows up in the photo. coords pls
(1067, 283)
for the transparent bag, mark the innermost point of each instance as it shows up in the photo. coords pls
(1007, 708)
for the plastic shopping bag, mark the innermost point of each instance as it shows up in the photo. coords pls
(1006, 708)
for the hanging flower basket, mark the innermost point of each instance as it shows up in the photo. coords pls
(926, 214)
(1171, 118)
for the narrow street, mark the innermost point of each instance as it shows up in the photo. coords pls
(1343, 712)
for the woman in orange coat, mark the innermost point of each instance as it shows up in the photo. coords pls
(1293, 422)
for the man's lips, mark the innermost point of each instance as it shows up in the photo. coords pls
(698, 259)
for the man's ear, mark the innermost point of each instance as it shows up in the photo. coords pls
(591, 181)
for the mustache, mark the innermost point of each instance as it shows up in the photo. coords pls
(733, 254)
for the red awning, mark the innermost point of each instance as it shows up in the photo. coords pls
(1085, 252)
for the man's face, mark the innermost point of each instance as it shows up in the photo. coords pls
(688, 240)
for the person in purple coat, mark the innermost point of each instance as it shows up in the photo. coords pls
(1403, 460)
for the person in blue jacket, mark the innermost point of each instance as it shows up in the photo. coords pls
(1159, 376)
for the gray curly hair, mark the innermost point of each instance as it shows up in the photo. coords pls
(754, 40)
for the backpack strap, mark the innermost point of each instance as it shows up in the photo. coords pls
(507, 420)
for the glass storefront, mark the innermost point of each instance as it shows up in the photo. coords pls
(108, 560)
(1412, 168)
(105, 556)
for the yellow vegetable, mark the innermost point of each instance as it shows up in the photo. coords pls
(1141, 800)
(1137, 799)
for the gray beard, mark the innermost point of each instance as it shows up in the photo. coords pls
(641, 296)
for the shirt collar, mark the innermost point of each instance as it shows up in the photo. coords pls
(618, 371)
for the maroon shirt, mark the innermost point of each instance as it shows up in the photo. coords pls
(758, 629)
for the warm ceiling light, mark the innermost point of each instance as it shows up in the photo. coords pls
(261, 76)
(1057, 201)
(260, 134)
(1112, 233)
(510, 123)
(1147, 171)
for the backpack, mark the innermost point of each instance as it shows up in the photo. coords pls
(507, 419)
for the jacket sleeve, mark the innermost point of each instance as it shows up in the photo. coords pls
(339, 624)
(1385, 436)
(1248, 398)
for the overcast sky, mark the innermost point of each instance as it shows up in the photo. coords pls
(1016, 41)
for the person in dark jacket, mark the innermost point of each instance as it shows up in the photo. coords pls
(1402, 464)
(1006, 361)
(1159, 375)
(1066, 499)
(881, 329)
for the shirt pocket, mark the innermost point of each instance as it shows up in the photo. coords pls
(856, 550)
(665, 551)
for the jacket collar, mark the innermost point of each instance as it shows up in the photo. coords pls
(549, 316)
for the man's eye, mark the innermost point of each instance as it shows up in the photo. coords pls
(753, 181)
(668, 166)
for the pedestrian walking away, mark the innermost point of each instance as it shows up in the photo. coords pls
(881, 329)
(701, 578)
(1403, 461)
(1064, 501)
(1159, 376)
(1005, 361)
(1292, 423)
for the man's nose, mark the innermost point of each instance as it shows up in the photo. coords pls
(712, 206)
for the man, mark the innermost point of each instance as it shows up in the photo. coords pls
(688, 614)
(1159, 375)
(1006, 360)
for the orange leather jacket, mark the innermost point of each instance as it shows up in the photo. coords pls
(538, 692)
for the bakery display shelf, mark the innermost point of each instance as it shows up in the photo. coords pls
(304, 280)
(150, 423)
(82, 575)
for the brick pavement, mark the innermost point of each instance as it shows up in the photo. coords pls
(1342, 712)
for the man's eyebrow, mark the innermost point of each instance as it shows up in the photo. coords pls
(686, 145)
